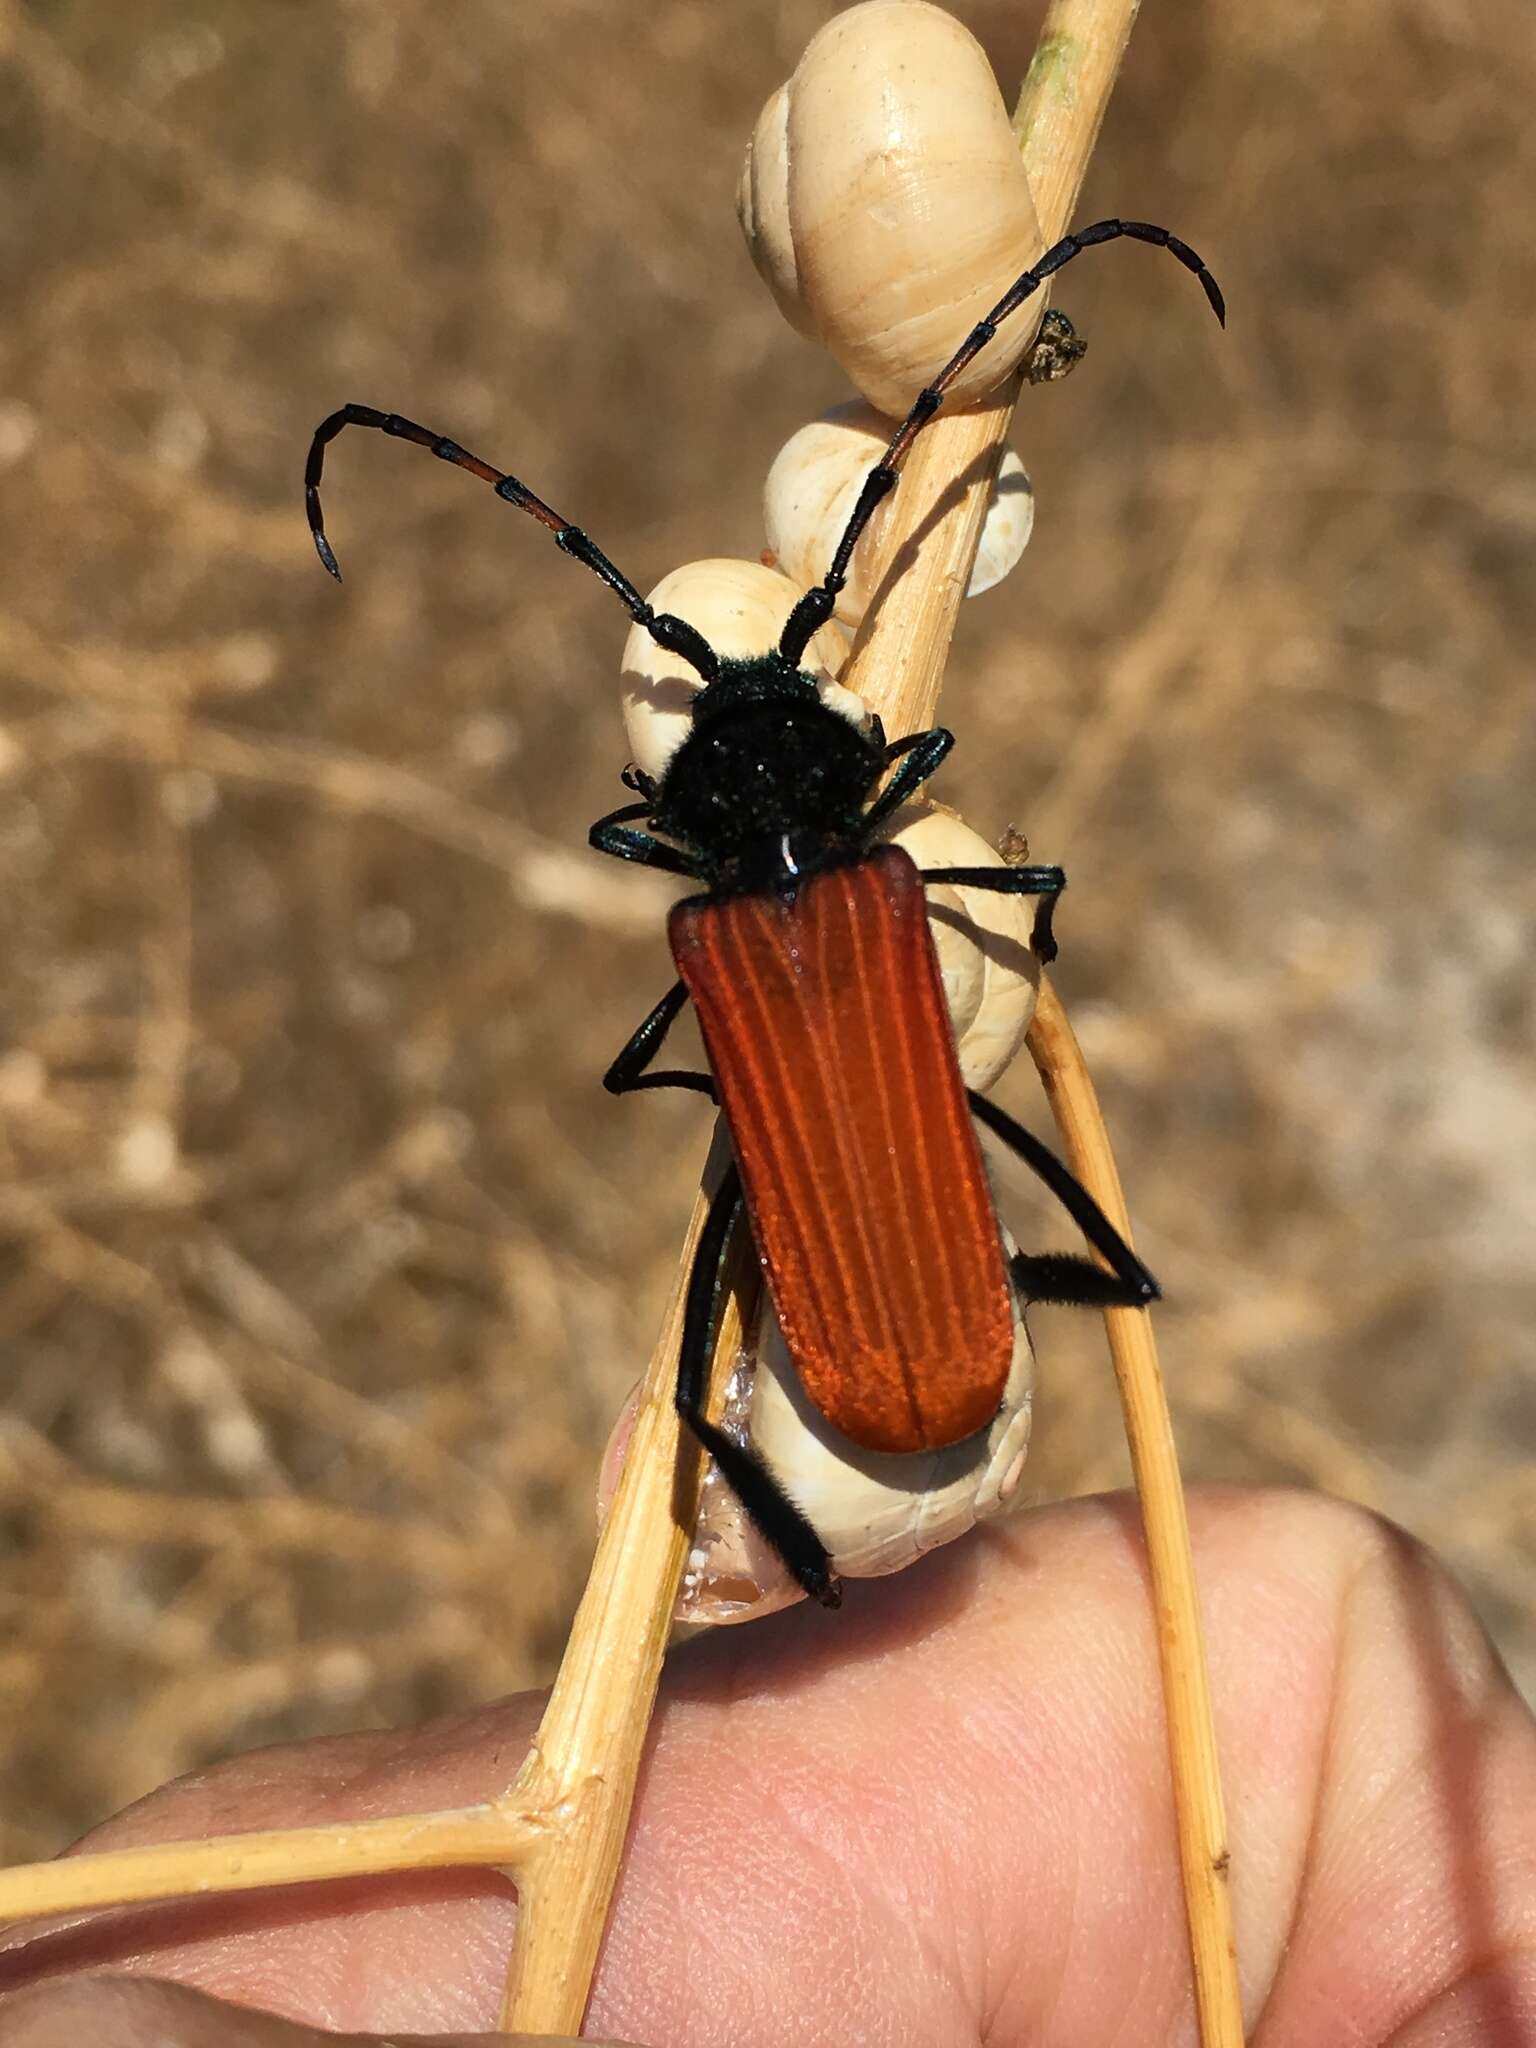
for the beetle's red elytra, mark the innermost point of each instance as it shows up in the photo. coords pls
(828, 1036)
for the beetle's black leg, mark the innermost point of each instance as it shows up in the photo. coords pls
(611, 835)
(1046, 883)
(634, 777)
(894, 749)
(772, 1513)
(674, 634)
(1073, 1282)
(641, 848)
(923, 751)
(1128, 1284)
(1021, 881)
(628, 1071)
(816, 607)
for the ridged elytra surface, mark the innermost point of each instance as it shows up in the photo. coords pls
(824, 1019)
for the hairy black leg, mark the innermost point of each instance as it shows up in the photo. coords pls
(923, 753)
(1022, 881)
(772, 1513)
(1131, 1284)
(674, 634)
(612, 835)
(627, 1072)
(1073, 1282)
(1046, 883)
(634, 777)
(816, 607)
(894, 749)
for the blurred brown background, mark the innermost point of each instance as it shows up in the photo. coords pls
(325, 1260)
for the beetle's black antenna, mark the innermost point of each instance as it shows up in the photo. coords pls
(815, 608)
(668, 631)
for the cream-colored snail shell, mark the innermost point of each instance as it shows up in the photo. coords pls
(885, 202)
(740, 608)
(815, 480)
(991, 975)
(876, 1512)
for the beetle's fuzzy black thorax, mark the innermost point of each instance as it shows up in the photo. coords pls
(766, 760)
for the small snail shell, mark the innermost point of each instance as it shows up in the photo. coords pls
(817, 476)
(884, 199)
(875, 1512)
(740, 608)
(991, 975)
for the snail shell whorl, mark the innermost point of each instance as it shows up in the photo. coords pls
(762, 207)
(885, 203)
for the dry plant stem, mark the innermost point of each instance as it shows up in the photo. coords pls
(1200, 1814)
(492, 1833)
(1061, 108)
(582, 1768)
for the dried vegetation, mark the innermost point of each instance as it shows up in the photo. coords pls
(324, 1261)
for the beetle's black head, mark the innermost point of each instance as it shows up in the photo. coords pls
(754, 679)
(767, 770)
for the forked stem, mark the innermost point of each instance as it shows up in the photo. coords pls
(897, 667)
(560, 1828)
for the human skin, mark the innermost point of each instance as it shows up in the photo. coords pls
(941, 1816)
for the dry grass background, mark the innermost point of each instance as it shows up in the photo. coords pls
(325, 1261)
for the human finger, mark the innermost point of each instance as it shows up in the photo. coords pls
(136, 2012)
(949, 1806)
